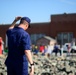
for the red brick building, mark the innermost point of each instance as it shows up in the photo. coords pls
(61, 27)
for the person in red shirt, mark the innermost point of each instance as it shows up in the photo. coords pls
(41, 48)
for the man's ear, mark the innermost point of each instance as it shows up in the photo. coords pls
(26, 25)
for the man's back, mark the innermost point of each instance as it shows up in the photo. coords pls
(16, 44)
(19, 53)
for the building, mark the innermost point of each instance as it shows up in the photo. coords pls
(45, 40)
(64, 27)
(61, 27)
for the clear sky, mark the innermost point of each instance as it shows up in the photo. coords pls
(37, 10)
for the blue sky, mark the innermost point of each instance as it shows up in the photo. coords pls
(37, 10)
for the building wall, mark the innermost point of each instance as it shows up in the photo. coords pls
(57, 27)
(63, 17)
(3, 29)
(59, 23)
(37, 28)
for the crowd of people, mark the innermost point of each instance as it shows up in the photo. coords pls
(45, 49)
(50, 49)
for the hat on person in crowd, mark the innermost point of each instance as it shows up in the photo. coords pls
(26, 19)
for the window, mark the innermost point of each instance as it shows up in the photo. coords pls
(64, 37)
(34, 37)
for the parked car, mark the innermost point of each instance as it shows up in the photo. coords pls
(73, 48)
